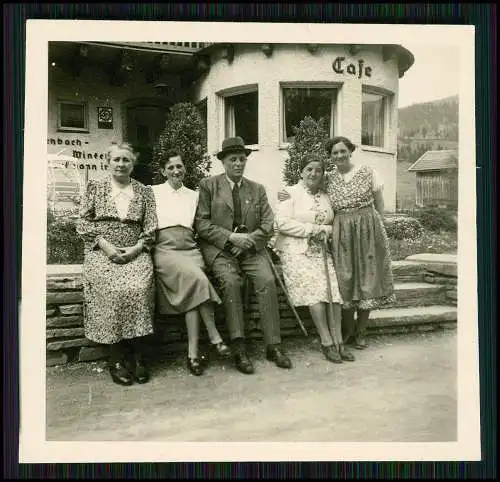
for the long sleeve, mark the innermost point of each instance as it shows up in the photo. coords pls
(87, 227)
(266, 229)
(206, 229)
(287, 225)
(150, 223)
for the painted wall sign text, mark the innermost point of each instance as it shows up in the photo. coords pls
(57, 141)
(358, 69)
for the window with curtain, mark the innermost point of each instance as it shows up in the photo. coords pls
(374, 112)
(242, 116)
(301, 102)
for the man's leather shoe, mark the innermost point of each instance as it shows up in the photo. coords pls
(141, 372)
(276, 355)
(120, 374)
(243, 363)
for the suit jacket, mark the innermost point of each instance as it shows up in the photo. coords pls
(215, 214)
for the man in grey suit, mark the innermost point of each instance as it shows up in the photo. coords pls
(234, 222)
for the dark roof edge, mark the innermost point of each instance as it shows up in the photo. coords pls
(405, 57)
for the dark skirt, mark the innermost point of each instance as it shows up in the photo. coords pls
(181, 282)
(362, 259)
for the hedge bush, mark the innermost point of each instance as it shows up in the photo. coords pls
(310, 138)
(437, 219)
(185, 131)
(64, 245)
(403, 228)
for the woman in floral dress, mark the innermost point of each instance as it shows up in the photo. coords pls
(117, 223)
(360, 246)
(301, 223)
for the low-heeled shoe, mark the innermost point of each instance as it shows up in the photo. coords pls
(331, 353)
(120, 374)
(195, 366)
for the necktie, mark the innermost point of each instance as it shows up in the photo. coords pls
(237, 206)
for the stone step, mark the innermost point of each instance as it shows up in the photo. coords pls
(404, 319)
(418, 294)
(403, 271)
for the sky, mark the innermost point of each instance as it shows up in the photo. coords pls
(434, 75)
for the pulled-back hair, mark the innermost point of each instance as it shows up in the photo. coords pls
(122, 146)
(169, 154)
(331, 142)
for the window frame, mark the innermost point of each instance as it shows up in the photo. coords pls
(334, 110)
(225, 94)
(388, 106)
(84, 104)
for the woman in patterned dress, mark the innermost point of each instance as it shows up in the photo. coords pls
(301, 222)
(360, 246)
(117, 223)
(182, 285)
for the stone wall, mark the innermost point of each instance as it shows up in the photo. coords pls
(64, 312)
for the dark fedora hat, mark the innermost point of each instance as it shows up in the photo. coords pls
(233, 144)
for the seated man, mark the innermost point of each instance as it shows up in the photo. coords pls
(234, 222)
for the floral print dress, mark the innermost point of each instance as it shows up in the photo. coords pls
(119, 298)
(360, 246)
(301, 255)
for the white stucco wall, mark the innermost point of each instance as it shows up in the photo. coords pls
(294, 63)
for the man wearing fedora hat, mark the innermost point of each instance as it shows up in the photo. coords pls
(234, 222)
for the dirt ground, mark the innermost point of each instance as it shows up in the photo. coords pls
(400, 389)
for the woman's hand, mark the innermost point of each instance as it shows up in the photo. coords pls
(283, 195)
(323, 230)
(111, 251)
(129, 254)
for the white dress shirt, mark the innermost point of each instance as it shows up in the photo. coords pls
(232, 183)
(175, 207)
(121, 197)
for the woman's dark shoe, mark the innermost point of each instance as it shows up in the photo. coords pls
(346, 354)
(360, 342)
(196, 366)
(141, 372)
(120, 374)
(331, 353)
(222, 349)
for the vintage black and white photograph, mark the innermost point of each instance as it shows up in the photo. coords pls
(250, 241)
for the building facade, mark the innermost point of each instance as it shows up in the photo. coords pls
(105, 92)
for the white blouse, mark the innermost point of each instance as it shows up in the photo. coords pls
(121, 197)
(297, 216)
(175, 207)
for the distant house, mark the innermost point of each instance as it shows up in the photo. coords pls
(437, 179)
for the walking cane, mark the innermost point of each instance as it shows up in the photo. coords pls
(243, 229)
(287, 296)
(324, 248)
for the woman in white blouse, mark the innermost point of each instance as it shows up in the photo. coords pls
(302, 220)
(181, 283)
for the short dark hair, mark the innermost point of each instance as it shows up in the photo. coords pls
(168, 155)
(308, 158)
(331, 142)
